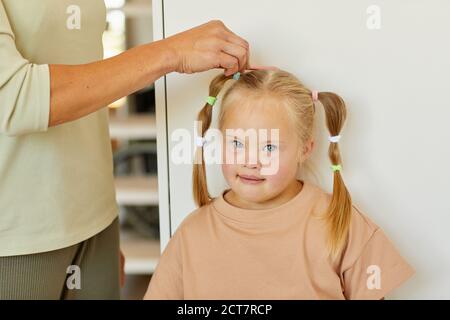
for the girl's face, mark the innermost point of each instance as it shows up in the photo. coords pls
(259, 169)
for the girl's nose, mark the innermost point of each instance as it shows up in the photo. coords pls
(252, 165)
(252, 159)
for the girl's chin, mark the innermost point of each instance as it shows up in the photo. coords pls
(251, 192)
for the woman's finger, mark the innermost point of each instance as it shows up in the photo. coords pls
(236, 51)
(229, 63)
(233, 38)
(230, 37)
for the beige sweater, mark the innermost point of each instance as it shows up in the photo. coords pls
(56, 184)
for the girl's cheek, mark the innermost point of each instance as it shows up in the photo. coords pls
(229, 162)
(228, 171)
(285, 170)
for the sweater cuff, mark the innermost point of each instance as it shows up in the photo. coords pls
(43, 115)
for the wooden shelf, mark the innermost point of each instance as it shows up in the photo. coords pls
(133, 127)
(137, 190)
(141, 254)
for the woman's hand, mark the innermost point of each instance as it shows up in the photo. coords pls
(79, 90)
(210, 45)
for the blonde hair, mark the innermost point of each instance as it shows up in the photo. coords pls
(299, 104)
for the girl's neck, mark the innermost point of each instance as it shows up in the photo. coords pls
(290, 192)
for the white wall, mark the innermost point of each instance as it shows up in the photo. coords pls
(395, 80)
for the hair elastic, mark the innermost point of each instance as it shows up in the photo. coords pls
(334, 139)
(336, 167)
(211, 100)
(236, 76)
(315, 95)
(200, 141)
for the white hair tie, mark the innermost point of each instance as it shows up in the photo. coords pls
(334, 139)
(200, 141)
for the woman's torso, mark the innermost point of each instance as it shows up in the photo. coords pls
(56, 187)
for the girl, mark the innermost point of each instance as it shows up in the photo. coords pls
(273, 236)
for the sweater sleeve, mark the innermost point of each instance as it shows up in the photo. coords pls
(372, 265)
(24, 87)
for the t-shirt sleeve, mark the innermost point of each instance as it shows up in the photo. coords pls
(167, 280)
(24, 87)
(378, 268)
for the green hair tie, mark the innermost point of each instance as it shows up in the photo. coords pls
(236, 76)
(336, 167)
(211, 100)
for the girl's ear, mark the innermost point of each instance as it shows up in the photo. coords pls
(307, 150)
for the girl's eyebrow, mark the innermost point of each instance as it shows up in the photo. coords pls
(232, 136)
(267, 141)
(278, 142)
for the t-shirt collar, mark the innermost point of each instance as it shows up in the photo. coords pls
(257, 216)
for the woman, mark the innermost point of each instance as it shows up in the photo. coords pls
(58, 215)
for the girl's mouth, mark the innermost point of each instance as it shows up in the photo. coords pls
(250, 179)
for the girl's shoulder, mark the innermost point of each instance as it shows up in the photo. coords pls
(360, 221)
(196, 219)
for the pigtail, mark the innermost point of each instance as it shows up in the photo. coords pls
(200, 187)
(340, 208)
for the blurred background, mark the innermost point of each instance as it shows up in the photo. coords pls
(133, 134)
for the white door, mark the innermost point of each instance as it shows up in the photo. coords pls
(390, 61)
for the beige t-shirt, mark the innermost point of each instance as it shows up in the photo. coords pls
(56, 184)
(223, 252)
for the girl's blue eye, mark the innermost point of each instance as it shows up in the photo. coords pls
(270, 147)
(237, 144)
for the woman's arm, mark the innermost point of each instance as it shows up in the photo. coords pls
(78, 90)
